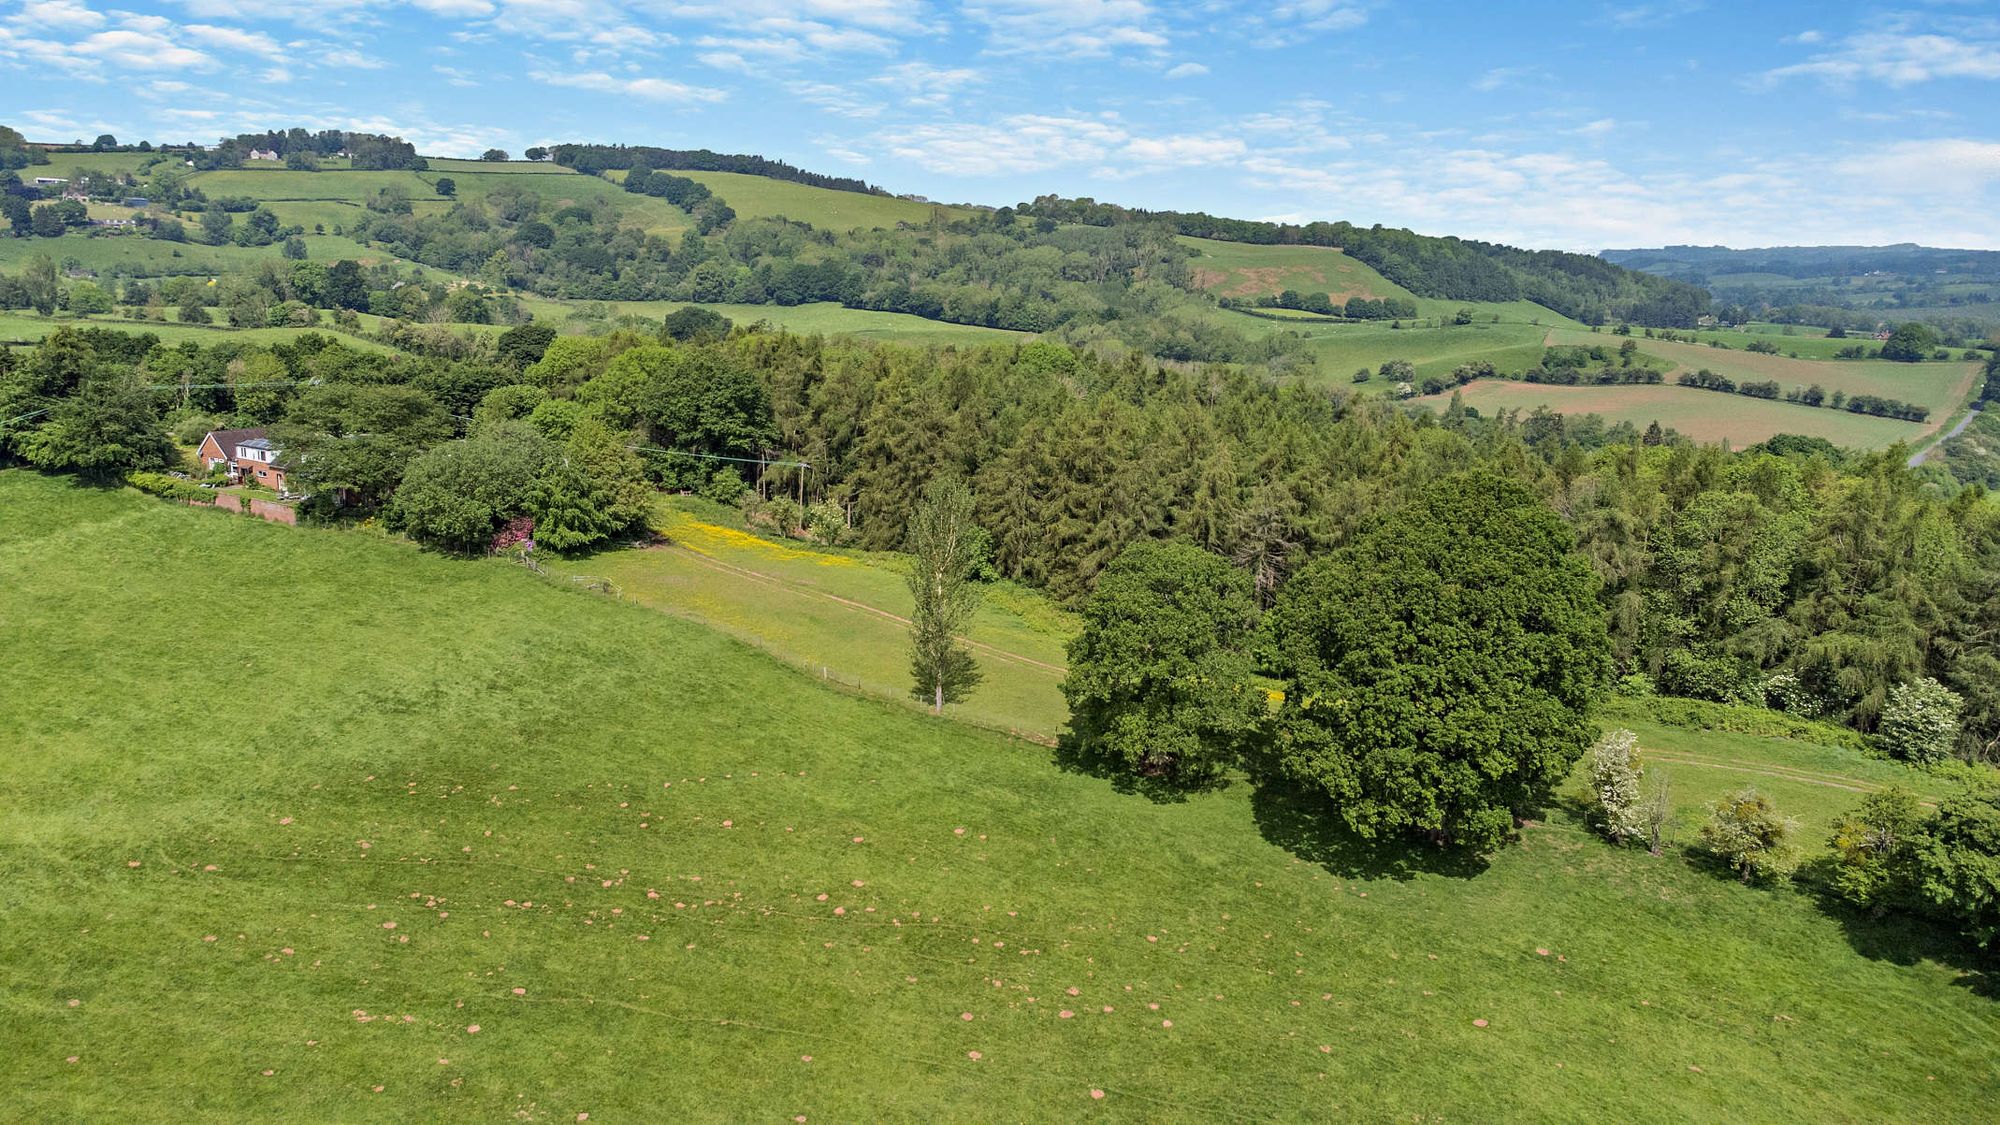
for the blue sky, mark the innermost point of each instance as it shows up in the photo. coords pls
(1577, 126)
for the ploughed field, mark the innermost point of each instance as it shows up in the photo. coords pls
(310, 824)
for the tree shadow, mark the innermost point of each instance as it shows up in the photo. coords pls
(1309, 828)
(1070, 757)
(1901, 938)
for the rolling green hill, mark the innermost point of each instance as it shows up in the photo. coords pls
(391, 866)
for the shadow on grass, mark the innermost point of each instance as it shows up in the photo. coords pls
(1904, 939)
(1072, 758)
(1312, 830)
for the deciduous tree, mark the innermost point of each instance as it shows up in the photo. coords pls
(1439, 672)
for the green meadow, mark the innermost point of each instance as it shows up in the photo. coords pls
(760, 196)
(1241, 269)
(309, 823)
(1707, 416)
(1941, 386)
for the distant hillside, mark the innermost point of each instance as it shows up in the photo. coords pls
(593, 159)
(1852, 286)
(1586, 288)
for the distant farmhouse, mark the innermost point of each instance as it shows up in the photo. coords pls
(263, 154)
(248, 455)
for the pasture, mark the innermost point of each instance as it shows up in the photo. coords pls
(1342, 349)
(18, 325)
(1706, 416)
(821, 317)
(825, 208)
(1941, 386)
(1241, 269)
(446, 840)
(838, 615)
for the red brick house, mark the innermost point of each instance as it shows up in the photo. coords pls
(248, 454)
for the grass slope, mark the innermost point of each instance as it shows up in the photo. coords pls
(839, 614)
(760, 196)
(524, 714)
(1242, 269)
(1940, 386)
(294, 811)
(1701, 415)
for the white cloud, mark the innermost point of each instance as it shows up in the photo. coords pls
(1602, 127)
(1187, 70)
(235, 39)
(1927, 168)
(1022, 143)
(1067, 28)
(652, 89)
(921, 84)
(1897, 58)
(44, 15)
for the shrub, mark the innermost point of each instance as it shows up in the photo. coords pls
(1786, 692)
(1920, 723)
(783, 515)
(826, 523)
(1746, 832)
(1693, 676)
(1874, 846)
(1614, 780)
(162, 485)
(1637, 685)
(1957, 864)
(725, 486)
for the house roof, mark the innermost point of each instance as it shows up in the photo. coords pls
(228, 440)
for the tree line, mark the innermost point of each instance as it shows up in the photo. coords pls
(593, 160)
(1790, 573)
(1587, 288)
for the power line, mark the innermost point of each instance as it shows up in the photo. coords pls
(25, 417)
(720, 457)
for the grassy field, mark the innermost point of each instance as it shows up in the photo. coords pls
(336, 196)
(20, 325)
(759, 196)
(1940, 386)
(838, 614)
(452, 842)
(824, 317)
(1701, 415)
(1341, 349)
(1241, 269)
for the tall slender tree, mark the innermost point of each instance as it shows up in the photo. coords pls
(942, 548)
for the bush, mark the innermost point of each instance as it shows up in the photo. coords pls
(1874, 844)
(1920, 723)
(1786, 692)
(725, 486)
(1614, 781)
(1746, 832)
(783, 516)
(1638, 685)
(826, 523)
(1694, 714)
(1693, 676)
(164, 486)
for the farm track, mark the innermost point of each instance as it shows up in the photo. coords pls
(1776, 773)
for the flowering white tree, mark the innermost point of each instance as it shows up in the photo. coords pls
(1921, 721)
(1614, 779)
